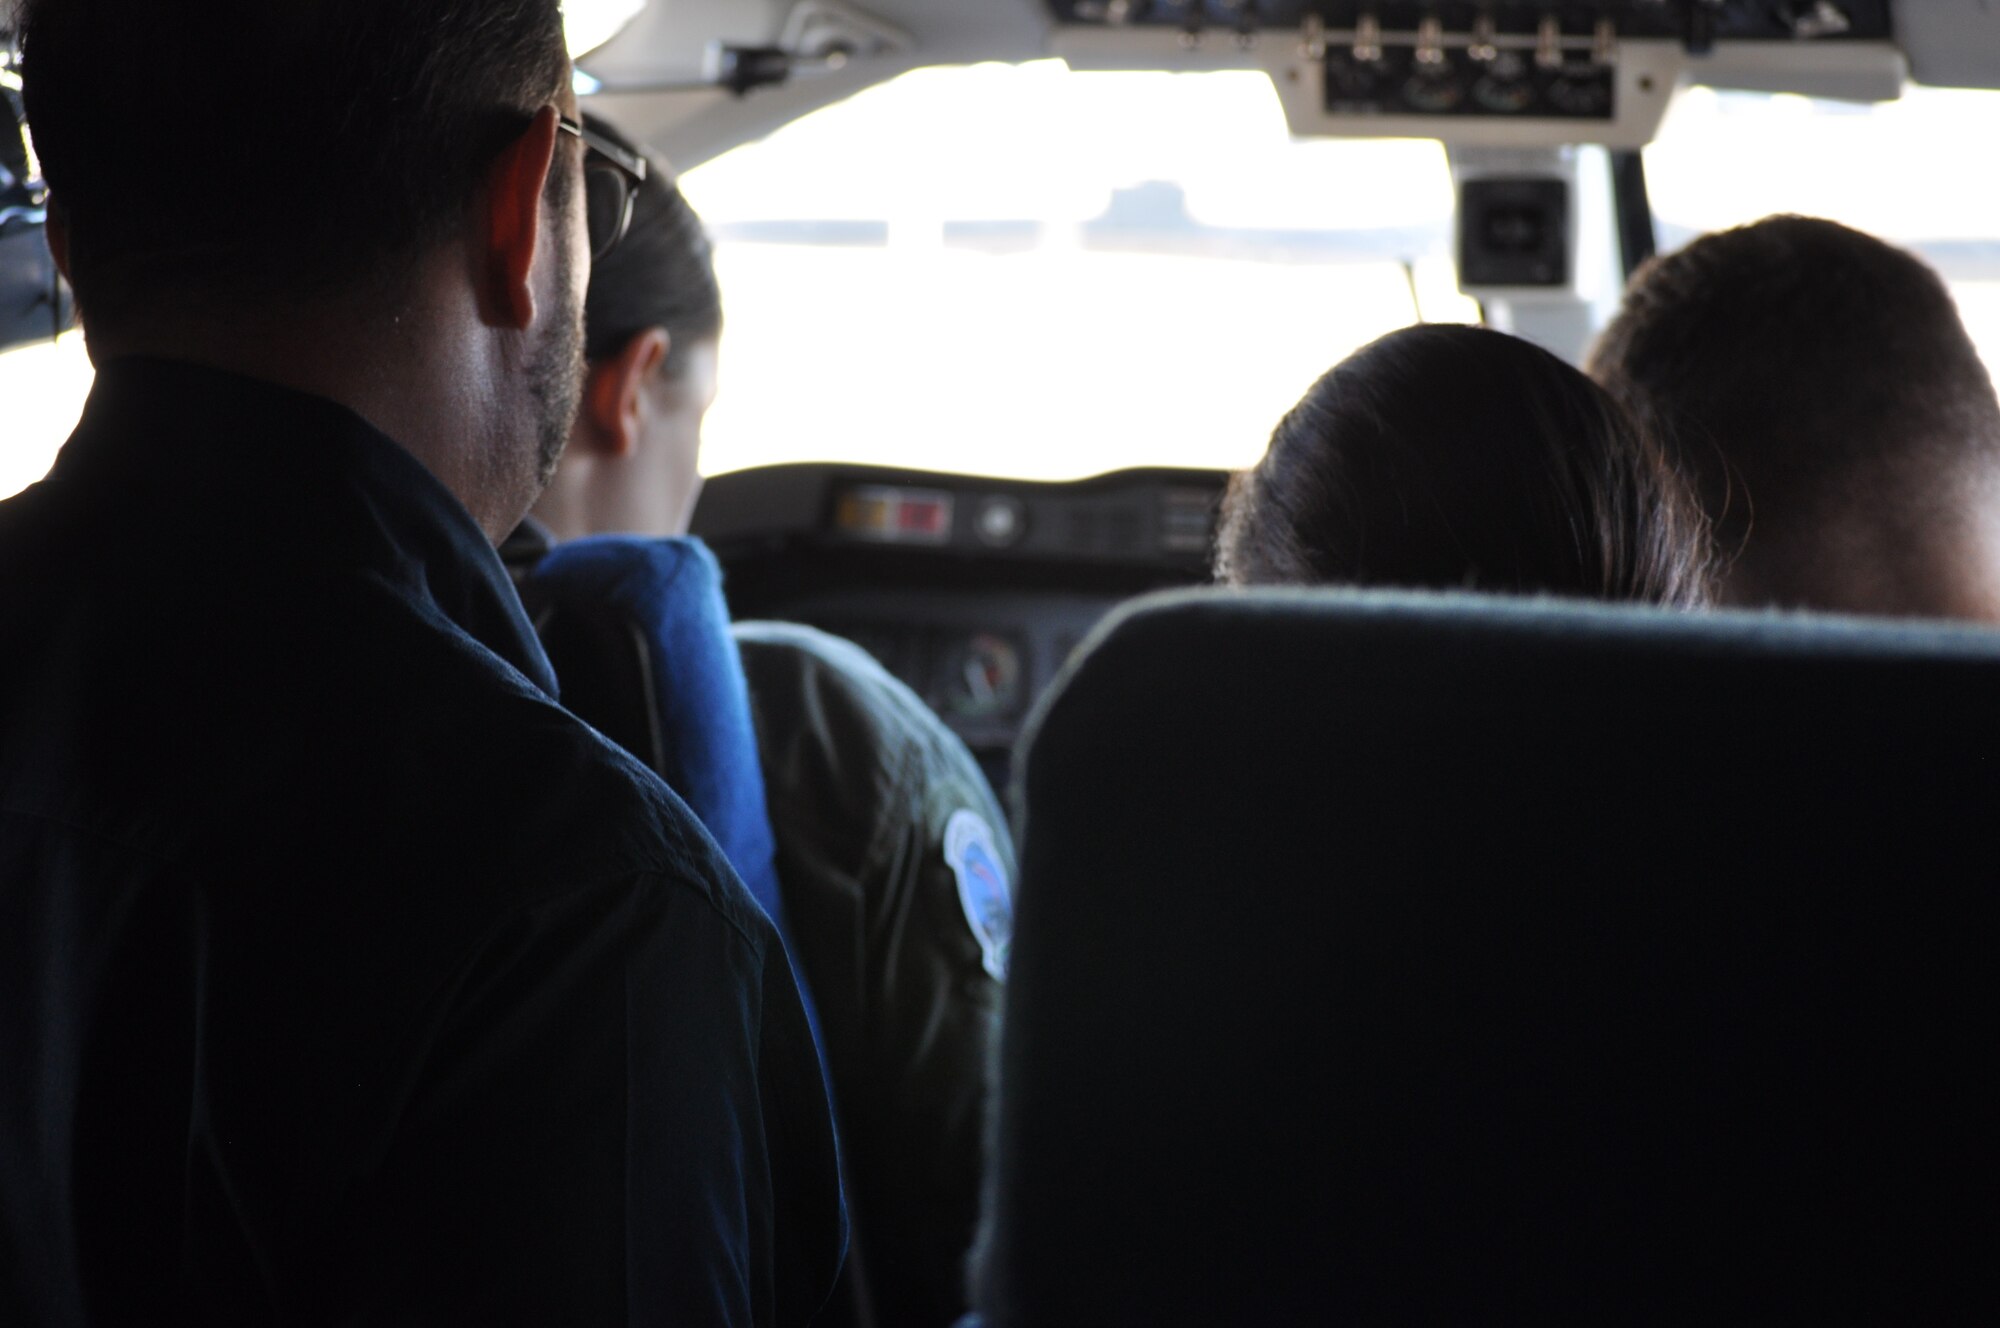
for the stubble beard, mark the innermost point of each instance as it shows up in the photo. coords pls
(555, 377)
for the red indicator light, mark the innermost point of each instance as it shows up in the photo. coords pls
(895, 515)
(921, 518)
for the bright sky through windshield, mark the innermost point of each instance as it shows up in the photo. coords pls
(1027, 271)
(1024, 271)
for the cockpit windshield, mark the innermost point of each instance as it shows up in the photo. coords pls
(1031, 272)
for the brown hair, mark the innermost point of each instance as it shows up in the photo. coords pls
(245, 151)
(1457, 457)
(662, 274)
(1800, 368)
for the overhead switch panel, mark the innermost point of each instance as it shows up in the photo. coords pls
(1696, 22)
(1555, 61)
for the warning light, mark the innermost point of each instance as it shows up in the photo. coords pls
(892, 515)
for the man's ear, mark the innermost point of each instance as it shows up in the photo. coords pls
(510, 224)
(615, 396)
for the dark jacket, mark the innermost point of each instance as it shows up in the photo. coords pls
(342, 972)
(897, 874)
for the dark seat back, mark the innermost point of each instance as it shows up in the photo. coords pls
(1400, 959)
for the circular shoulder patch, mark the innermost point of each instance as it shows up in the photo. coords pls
(983, 889)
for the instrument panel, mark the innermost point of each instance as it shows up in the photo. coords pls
(979, 660)
(973, 591)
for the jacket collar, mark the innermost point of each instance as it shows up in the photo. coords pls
(303, 482)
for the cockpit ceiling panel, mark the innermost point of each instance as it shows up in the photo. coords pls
(1699, 20)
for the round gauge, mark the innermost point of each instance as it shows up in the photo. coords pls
(1352, 81)
(1000, 521)
(1589, 94)
(1505, 87)
(982, 677)
(1434, 94)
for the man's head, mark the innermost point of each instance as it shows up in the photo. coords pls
(371, 199)
(1821, 392)
(249, 150)
(653, 318)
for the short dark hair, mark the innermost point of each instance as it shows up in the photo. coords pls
(1797, 365)
(661, 274)
(239, 150)
(1444, 457)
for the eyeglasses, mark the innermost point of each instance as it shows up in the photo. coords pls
(611, 177)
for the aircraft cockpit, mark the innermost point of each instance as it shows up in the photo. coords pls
(1013, 285)
(1154, 936)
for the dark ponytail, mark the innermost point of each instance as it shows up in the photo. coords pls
(661, 274)
(1456, 457)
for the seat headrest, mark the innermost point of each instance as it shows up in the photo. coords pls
(1439, 958)
(638, 632)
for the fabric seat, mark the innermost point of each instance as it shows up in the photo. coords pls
(1441, 959)
(893, 909)
(638, 633)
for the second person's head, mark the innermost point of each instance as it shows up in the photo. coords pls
(1450, 457)
(652, 325)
